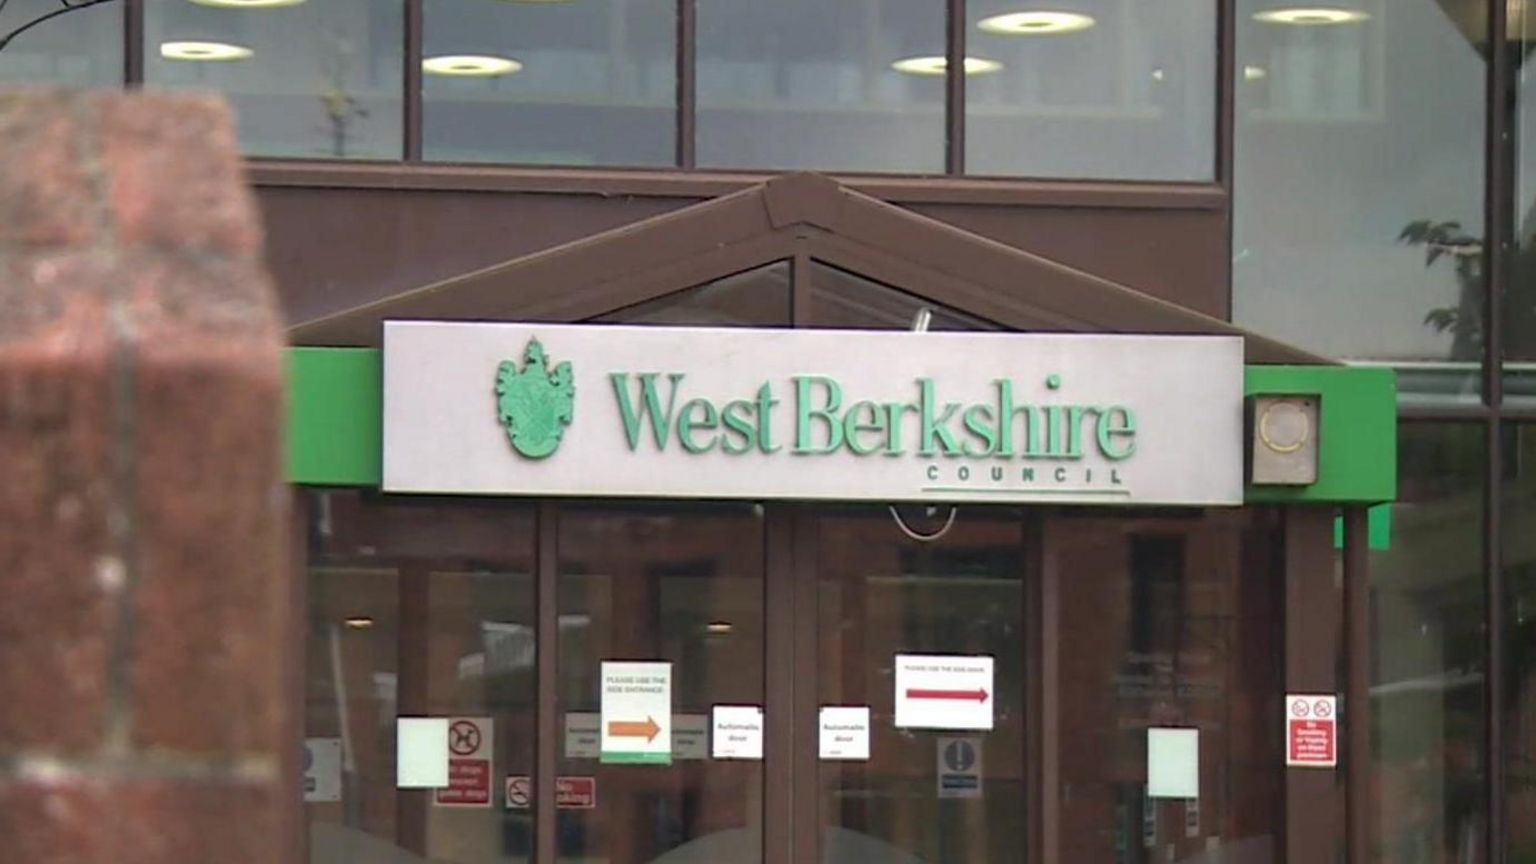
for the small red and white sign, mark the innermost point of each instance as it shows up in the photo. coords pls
(470, 750)
(1311, 731)
(571, 793)
(938, 691)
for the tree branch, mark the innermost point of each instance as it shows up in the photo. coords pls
(65, 9)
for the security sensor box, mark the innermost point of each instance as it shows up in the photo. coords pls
(1283, 439)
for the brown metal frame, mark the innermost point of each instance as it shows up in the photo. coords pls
(1314, 803)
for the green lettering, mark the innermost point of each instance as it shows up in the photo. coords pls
(650, 409)
(1109, 429)
(827, 414)
(893, 415)
(1007, 414)
(765, 403)
(853, 426)
(978, 422)
(1074, 436)
(734, 418)
(935, 427)
(686, 424)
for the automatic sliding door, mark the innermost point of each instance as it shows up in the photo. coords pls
(921, 795)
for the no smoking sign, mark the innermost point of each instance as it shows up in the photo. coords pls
(1311, 731)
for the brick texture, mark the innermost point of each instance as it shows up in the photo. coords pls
(147, 627)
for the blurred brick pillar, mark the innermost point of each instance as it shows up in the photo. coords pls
(147, 623)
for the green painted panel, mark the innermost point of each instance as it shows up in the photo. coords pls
(336, 424)
(1358, 438)
(1378, 528)
(335, 416)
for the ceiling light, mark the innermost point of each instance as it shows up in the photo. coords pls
(248, 4)
(358, 622)
(1311, 16)
(470, 65)
(208, 51)
(1035, 23)
(937, 65)
(1254, 73)
(719, 628)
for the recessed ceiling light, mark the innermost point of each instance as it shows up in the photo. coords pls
(1311, 16)
(936, 65)
(248, 4)
(1035, 23)
(470, 65)
(208, 51)
(1255, 73)
(358, 622)
(719, 628)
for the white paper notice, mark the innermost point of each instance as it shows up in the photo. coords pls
(637, 713)
(938, 691)
(421, 752)
(1173, 763)
(738, 732)
(581, 736)
(690, 736)
(322, 769)
(845, 732)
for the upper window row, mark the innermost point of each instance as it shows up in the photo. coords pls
(1053, 88)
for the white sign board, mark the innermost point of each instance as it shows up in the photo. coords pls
(738, 732)
(421, 752)
(845, 733)
(636, 713)
(690, 736)
(959, 768)
(600, 411)
(322, 770)
(1173, 763)
(942, 691)
(581, 736)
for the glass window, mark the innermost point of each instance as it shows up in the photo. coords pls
(1169, 624)
(1427, 608)
(682, 585)
(1359, 176)
(1115, 89)
(309, 79)
(83, 48)
(847, 300)
(754, 298)
(810, 84)
(589, 83)
(1520, 288)
(417, 608)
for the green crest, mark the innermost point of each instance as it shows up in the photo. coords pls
(535, 402)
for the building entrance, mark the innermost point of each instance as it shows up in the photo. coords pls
(1097, 629)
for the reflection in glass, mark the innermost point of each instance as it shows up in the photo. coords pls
(589, 83)
(683, 586)
(810, 84)
(415, 609)
(1519, 503)
(881, 594)
(1519, 296)
(1112, 89)
(1359, 177)
(1169, 624)
(78, 49)
(753, 298)
(841, 299)
(319, 79)
(1427, 684)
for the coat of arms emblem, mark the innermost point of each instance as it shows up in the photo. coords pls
(534, 403)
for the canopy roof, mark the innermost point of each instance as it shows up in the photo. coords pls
(798, 217)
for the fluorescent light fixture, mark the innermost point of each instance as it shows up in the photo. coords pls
(203, 51)
(470, 65)
(1035, 23)
(1315, 16)
(936, 65)
(1255, 73)
(248, 4)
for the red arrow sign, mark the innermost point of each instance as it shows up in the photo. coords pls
(977, 695)
(624, 729)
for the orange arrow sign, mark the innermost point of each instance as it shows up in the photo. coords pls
(629, 729)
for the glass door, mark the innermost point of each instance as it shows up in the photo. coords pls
(912, 768)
